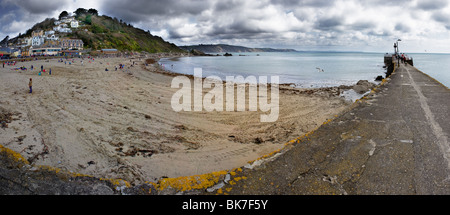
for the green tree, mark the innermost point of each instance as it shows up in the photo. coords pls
(63, 14)
(88, 19)
(93, 11)
(80, 11)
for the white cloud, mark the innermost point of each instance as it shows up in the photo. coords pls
(353, 24)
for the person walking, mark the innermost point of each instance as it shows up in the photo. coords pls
(30, 85)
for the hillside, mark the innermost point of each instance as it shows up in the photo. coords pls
(106, 32)
(98, 32)
(219, 48)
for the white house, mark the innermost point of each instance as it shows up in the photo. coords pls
(52, 37)
(74, 24)
(37, 41)
(62, 28)
(49, 33)
(65, 30)
(67, 19)
(25, 41)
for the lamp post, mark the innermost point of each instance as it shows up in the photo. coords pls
(396, 50)
(397, 45)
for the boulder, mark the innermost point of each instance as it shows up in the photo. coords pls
(363, 86)
(379, 78)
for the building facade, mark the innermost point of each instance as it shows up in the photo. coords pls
(37, 33)
(72, 44)
(45, 51)
(37, 41)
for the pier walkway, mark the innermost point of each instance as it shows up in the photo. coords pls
(395, 142)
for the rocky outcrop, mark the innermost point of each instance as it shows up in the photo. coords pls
(19, 177)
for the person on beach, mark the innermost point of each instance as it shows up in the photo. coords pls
(42, 67)
(30, 85)
(50, 72)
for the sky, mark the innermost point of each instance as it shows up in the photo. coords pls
(305, 25)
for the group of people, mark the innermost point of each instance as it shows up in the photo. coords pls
(404, 58)
(9, 63)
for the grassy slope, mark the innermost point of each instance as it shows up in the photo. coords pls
(106, 32)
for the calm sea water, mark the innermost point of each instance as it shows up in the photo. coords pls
(435, 65)
(300, 68)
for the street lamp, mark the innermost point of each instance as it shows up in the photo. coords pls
(396, 50)
(396, 46)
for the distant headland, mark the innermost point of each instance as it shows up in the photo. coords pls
(220, 48)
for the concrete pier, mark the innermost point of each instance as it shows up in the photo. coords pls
(396, 141)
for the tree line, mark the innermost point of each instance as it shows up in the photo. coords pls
(79, 12)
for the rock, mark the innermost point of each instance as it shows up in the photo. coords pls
(227, 178)
(363, 86)
(215, 187)
(379, 78)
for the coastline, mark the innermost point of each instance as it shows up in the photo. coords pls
(105, 143)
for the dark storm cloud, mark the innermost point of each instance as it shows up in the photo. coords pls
(331, 23)
(304, 3)
(432, 5)
(441, 17)
(228, 5)
(39, 7)
(137, 10)
(402, 27)
(237, 29)
(362, 25)
(16, 16)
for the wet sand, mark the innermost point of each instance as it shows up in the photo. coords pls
(120, 124)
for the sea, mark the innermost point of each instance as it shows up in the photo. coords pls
(435, 65)
(306, 69)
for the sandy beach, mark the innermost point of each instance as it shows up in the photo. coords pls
(120, 124)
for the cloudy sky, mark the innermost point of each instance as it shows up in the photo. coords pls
(341, 25)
